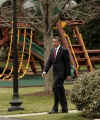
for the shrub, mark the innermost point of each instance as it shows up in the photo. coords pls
(85, 94)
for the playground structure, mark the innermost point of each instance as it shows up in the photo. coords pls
(79, 55)
(30, 51)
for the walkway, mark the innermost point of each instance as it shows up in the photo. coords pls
(14, 117)
(3, 118)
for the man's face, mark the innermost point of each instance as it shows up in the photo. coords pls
(55, 43)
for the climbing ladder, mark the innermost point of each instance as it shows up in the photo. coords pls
(78, 53)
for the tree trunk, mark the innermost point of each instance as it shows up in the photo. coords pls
(19, 11)
(49, 76)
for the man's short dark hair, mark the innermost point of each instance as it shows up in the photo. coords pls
(57, 37)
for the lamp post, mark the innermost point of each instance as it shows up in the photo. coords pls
(15, 102)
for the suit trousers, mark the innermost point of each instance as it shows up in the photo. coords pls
(59, 95)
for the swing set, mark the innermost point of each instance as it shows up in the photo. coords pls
(25, 36)
(29, 51)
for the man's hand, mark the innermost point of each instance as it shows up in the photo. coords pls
(68, 78)
(43, 74)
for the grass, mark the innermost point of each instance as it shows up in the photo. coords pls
(31, 103)
(70, 116)
(35, 104)
(84, 68)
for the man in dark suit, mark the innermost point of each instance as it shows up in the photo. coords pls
(59, 58)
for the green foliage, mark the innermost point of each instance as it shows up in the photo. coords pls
(85, 93)
(91, 34)
(37, 8)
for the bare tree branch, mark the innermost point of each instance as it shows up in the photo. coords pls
(86, 10)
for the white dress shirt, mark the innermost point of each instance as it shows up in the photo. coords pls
(57, 49)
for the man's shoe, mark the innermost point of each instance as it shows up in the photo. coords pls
(53, 111)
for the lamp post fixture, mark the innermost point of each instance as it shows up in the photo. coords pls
(15, 102)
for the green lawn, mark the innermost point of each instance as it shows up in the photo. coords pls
(34, 104)
(70, 116)
(31, 103)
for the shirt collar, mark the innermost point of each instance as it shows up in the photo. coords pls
(58, 47)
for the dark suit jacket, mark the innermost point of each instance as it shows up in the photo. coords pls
(61, 66)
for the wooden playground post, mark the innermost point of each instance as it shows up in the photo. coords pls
(80, 40)
(66, 45)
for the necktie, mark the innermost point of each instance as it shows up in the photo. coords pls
(55, 53)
